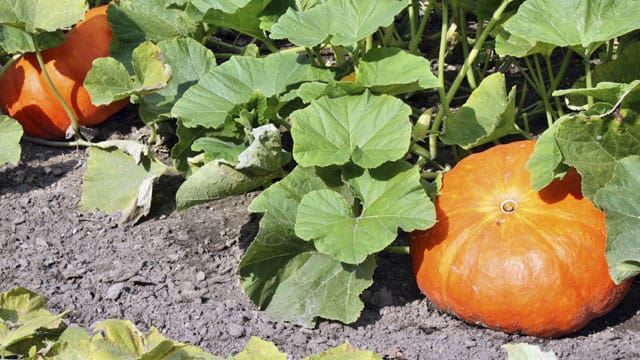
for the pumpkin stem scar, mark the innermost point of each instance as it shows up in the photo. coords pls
(508, 206)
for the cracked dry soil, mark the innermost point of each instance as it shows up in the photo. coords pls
(177, 271)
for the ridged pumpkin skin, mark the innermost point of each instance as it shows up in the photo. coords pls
(512, 259)
(25, 94)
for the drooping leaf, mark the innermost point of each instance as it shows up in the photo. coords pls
(625, 68)
(36, 16)
(310, 91)
(508, 44)
(10, 135)
(73, 344)
(17, 41)
(610, 92)
(136, 21)
(108, 80)
(257, 349)
(226, 6)
(232, 84)
(345, 351)
(524, 351)
(285, 275)
(621, 202)
(595, 146)
(545, 163)
(596, 21)
(341, 22)
(115, 181)
(393, 71)
(256, 165)
(392, 197)
(487, 115)
(366, 129)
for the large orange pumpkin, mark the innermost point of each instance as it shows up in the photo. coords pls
(26, 96)
(507, 257)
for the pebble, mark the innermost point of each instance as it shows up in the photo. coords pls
(114, 291)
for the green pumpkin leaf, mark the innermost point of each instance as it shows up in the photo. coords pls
(36, 16)
(344, 352)
(545, 21)
(257, 349)
(366, 129)
(545, 164)
(393, 71)
(508, 44)
(10, 135)
(108, 80)
(610, 92)
(285, 275)
(621, 202)
(595, 146)
(245, 18)
(231, 85)
(523, 351)
(487, 115)
(104, 187)
(73, 344)
(255, 166)
(136, 21)
(392, 197)
(341, 22)
(189, 61)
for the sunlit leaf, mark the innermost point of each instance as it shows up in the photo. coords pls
(41, 15)
(10, 135)
(257, 349)
(523, 351)
(366, 129)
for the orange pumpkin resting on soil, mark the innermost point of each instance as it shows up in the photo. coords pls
(507, 257)
(26, 96)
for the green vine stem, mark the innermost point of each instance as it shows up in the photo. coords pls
(56, 93)
(415, 41)
(446, 100)
(463, 40)
(444, 105)
(587, 77)
(397, 250)
(74, 143)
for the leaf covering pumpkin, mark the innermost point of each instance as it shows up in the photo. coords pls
(26, 96)
(513, 259)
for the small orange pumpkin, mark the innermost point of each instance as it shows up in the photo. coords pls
(26, 96)
(512, 259)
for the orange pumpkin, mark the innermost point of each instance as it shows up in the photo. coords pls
(26, 96)
(512, 259)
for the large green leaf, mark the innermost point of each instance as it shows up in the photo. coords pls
(508, 44)
(393, 71)
(366, 129)
(595, 146)
(136, 21)
(609, 92)
(189, 61)
(119, 181)
(488, 114)
(392, 197)
(245, 18)
(341, 22)
(593, 21)
(36, 16)
(108, 80)
(10, 135)
(620, 199)
(285, 275)
(229, 86)
(524, 351)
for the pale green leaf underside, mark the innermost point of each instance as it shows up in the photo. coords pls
(366, 129)
(487, 115)
(343, 22)
(620, 200)
(257, 349)
(584, 23)
(114, 181)
(42, 15)
(392, 198)
(10, 135)
(523, 351)
(209, 102)
(594, 147)
(393, 71)
(545, 164)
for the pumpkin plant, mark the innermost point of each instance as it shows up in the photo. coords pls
(27, 95)
(511, 258)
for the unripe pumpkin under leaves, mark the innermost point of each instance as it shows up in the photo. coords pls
(26, 96)
(513, 259)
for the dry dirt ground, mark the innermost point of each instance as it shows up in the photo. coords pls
(177, 271)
